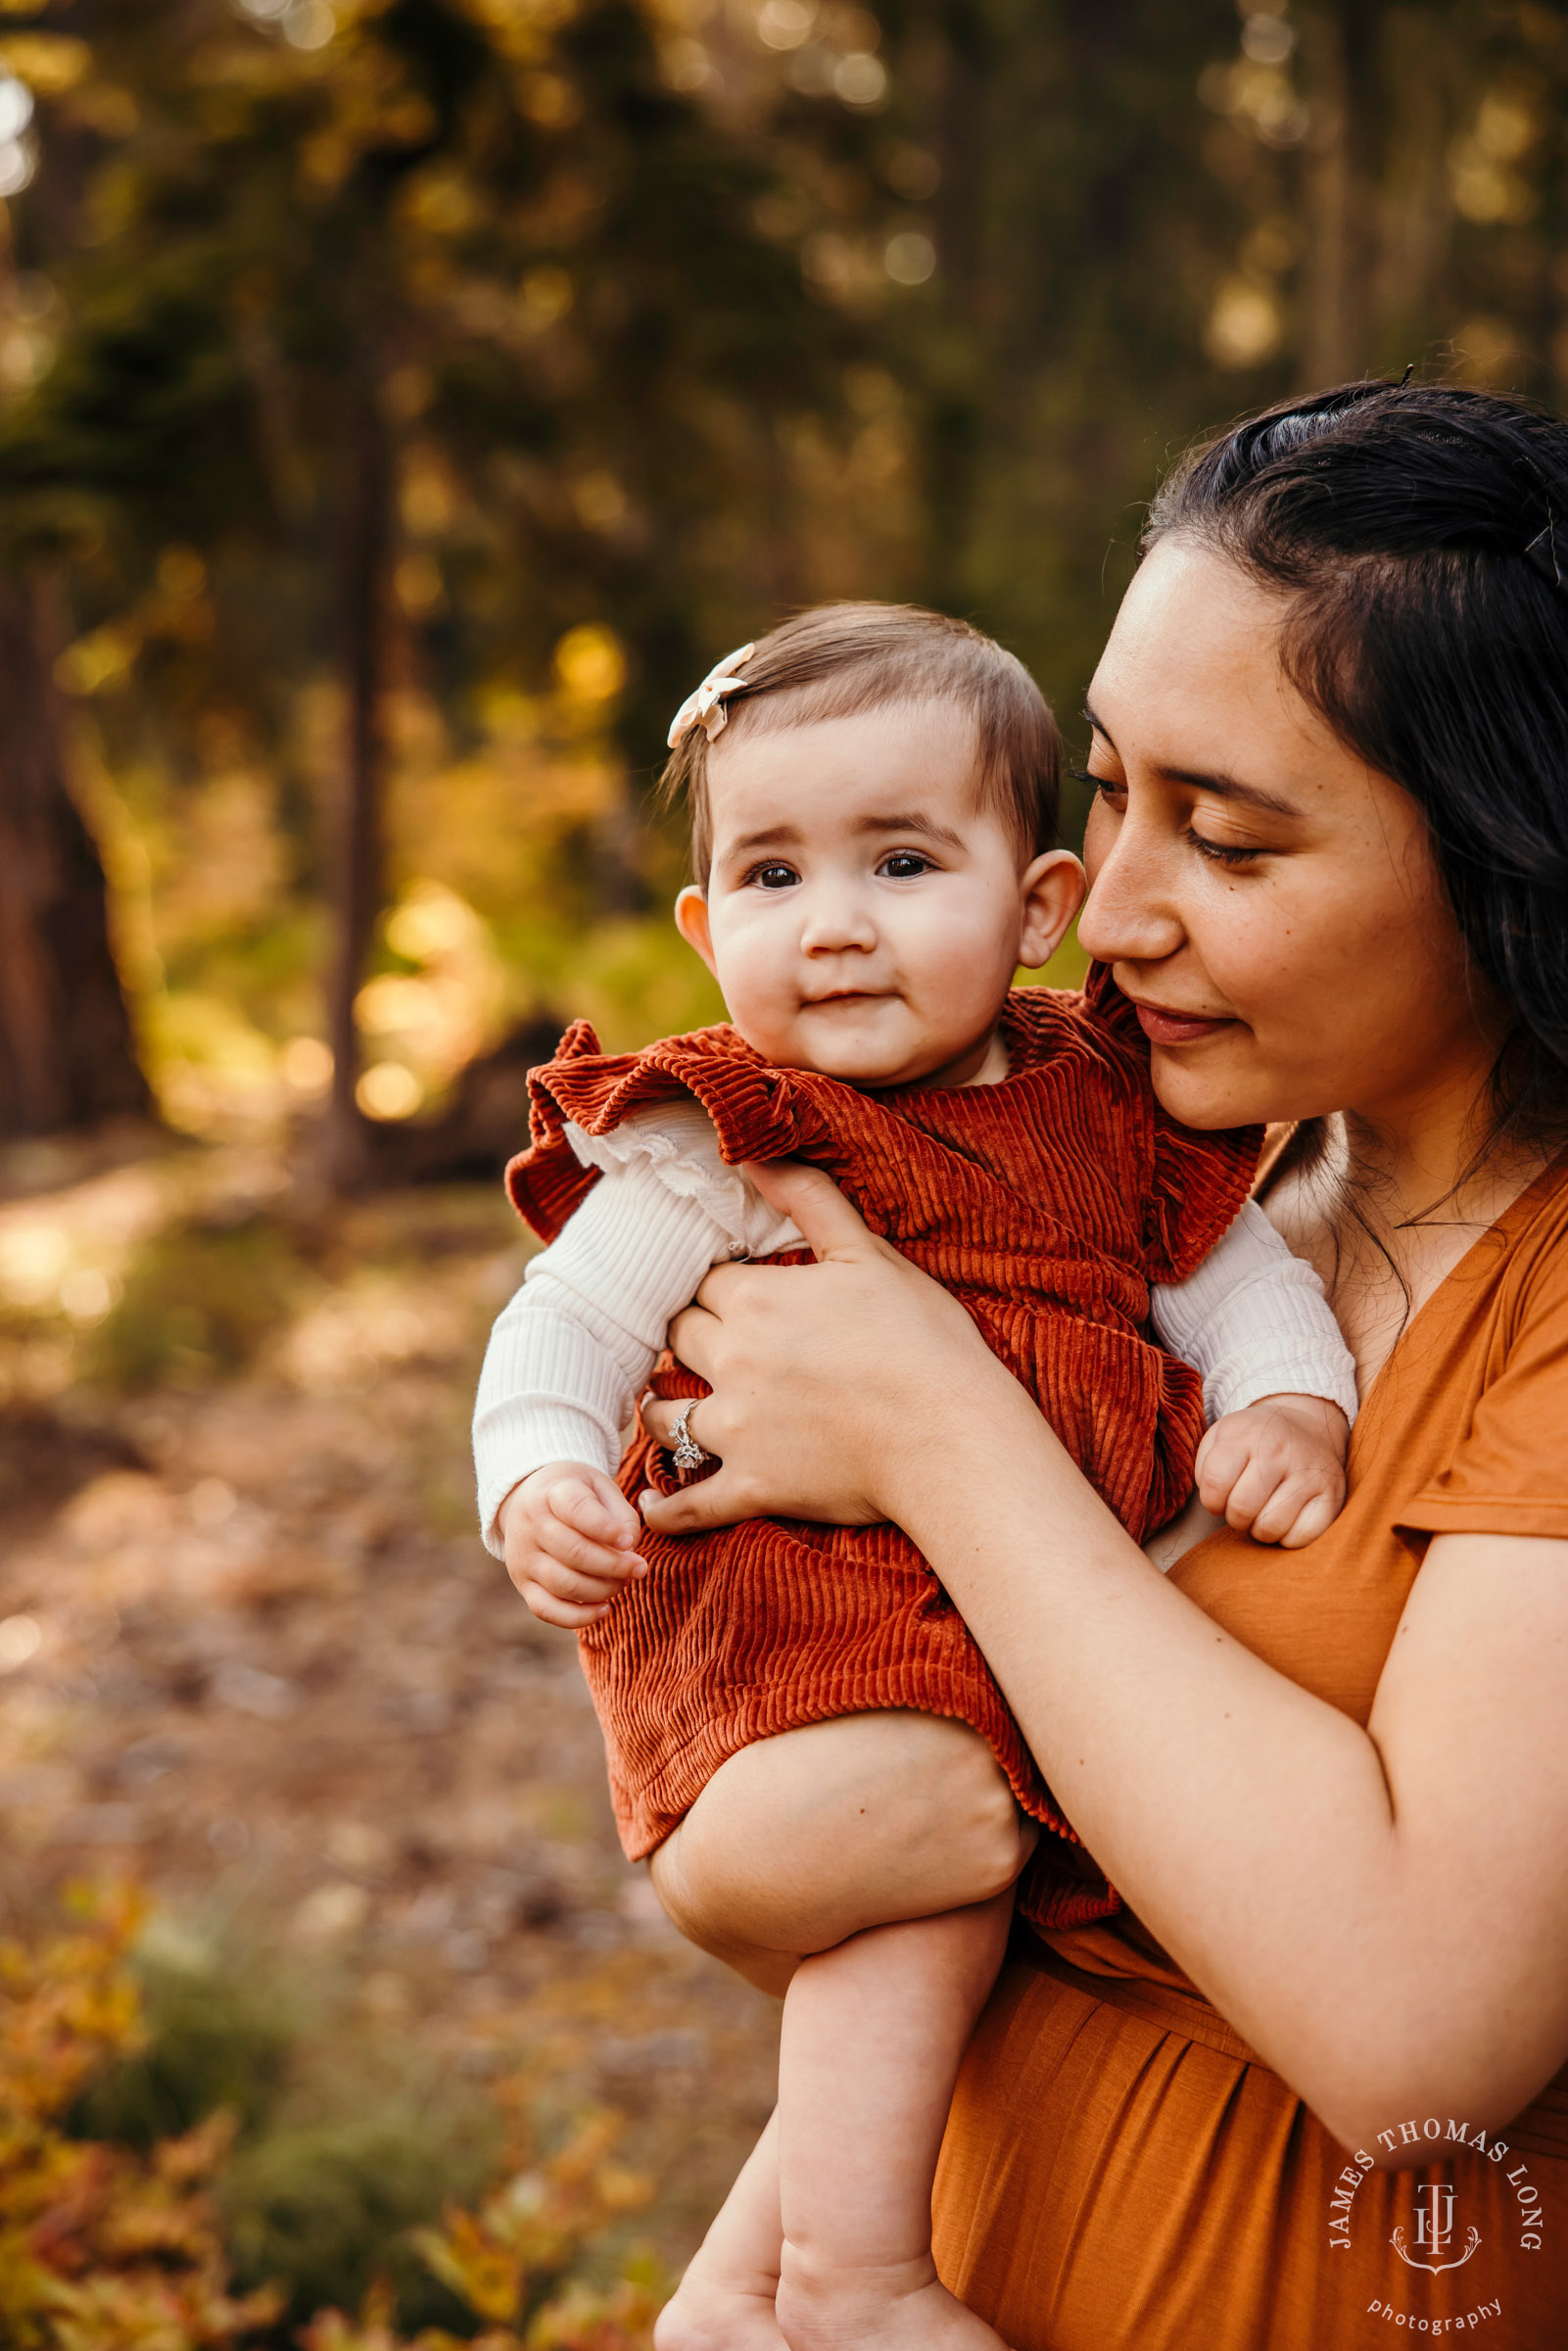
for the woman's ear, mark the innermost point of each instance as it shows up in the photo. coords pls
(1051, 892)
(692, 921)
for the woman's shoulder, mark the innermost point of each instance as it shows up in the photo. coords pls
(1536, 1231)
(1486, 1361)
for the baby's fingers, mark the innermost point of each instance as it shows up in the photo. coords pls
(1223, 1460)
(560, 1547)
(1316, 1518)
(570, 1616)
(592, 1507)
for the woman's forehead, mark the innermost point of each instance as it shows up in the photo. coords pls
(1192, 681)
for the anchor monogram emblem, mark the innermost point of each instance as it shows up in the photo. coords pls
(1433, 2231)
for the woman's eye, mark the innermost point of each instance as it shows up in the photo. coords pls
(904, 865)
(775, 877)
(1105, 787)
(1223, 852)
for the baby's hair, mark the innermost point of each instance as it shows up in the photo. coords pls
(839, 661)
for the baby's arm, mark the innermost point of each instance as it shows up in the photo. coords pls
(566, 1362)
(1279, 1383)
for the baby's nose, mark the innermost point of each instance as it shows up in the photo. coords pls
(836, 921)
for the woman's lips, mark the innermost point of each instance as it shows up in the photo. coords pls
(1175, 1028)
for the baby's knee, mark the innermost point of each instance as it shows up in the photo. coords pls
(809, 1837)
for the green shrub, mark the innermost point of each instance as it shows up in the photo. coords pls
(328, 2208)
(219, 2031)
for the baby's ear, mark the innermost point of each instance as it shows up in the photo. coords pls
(1052, 892)
(692, 921)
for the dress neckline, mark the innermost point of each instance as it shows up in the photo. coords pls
(1505, 1228)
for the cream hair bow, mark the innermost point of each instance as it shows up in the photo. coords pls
(705, 707)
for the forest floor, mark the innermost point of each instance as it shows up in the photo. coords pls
(254, 1656)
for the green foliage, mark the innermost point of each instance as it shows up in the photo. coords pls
(218, 2031)
(332, 2165)
(199, 1300)
(329, 2206)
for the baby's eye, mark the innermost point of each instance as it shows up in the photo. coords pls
(904, 865)
(775, 877)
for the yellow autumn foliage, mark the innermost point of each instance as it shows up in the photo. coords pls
(105, 2248)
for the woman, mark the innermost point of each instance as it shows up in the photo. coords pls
(1301, 2092)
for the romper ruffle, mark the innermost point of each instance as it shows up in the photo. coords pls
(1046, 1204)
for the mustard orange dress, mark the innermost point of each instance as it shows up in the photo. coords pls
(1120, 2172)
(1048, 1204)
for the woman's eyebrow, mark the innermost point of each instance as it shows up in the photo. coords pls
(1224, 787)
(1231, 788)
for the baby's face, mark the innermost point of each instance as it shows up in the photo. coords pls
(865, 912)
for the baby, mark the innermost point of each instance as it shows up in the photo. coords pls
(873, 795)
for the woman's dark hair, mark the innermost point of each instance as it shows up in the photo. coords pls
(1421, 533)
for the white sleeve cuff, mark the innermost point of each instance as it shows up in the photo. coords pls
(520, 1435)
(1255, 1321)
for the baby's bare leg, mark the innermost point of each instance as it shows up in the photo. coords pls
(797, 1844)
(725, 2300)
(810, 1836)
(873, 2036)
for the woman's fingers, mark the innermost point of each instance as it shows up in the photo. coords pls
(715, 1501)
(696, 1333)
(812, 1199)
(660, 1415)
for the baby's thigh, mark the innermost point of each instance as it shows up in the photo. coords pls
(814, 1834)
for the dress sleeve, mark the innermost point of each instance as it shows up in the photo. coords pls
(1255, 1321)
(1508, 1473)
(676, 1147)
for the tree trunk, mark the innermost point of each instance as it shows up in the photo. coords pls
(1340, 53)
(364, 549)
(66, 1058)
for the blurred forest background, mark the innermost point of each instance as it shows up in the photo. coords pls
(406, 401)
(403, 404)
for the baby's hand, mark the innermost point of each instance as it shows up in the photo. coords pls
(571, 1541)
(1276, 1470)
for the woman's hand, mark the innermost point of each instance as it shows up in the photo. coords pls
(829, 1380)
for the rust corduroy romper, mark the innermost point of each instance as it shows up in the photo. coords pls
(1047, 1204)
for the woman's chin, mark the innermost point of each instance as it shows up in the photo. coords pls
(1211, 1097)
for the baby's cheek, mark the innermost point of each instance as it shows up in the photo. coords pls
(758, 993)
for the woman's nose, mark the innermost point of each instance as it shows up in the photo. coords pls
(1130, 914)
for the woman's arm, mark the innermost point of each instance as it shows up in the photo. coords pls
(1381, 1914)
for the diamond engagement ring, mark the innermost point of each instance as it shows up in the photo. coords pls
(687, 1452)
